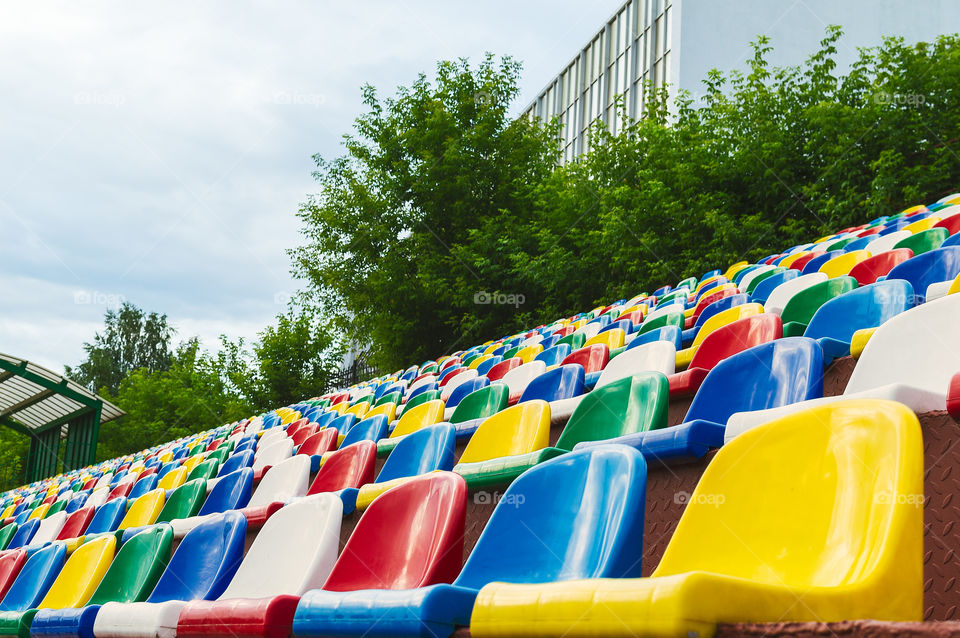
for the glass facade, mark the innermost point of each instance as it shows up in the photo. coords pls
(632, 49)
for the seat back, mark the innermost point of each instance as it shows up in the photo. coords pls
(802, 306)
(869, 270)
(720, 305)
(24, 533)
(518, 378)
(371, 429)
(418, 417)
(841, 264)
(673, 318)
(236, 461)
(10, 565)
(782, 294)
(205, 560)
(76, 523)
(520, 429)
(724, 318)
(293, 552)
(49, 528)
(579, 515)
(137, 567)
(637, 403)
(481, 403)
(462, 390)
(814, 264)
(172, 479)
(144, 510)
(350, 466)
(272, 454)
(7, 532)
(593, 358)
(184, 502)
(657, 356)
(769, 375)
(885, 241)
(865, 307)
(426, 450)
(144, 485)
(923, 241)
(283, 482)
(736, 337)
(853, 470)
(941, 264)
(410, 536)
(231, 491)
(81, 574)
(563, 382)
(35, 578)
(464, 377)
(319, 442)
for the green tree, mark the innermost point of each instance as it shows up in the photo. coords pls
(131, 340)
(390, 236)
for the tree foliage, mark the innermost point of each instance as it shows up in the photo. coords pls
(440, 194)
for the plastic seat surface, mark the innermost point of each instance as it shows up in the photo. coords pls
(273, 454)
(577, 516)
(781, 295)
(283, 482)
(517, 379)
(49, 528)
(81, 574)
(670, 334)
(34, 579)
(656, 356)
(184, 502)
(923, 241)
(869, 270)
(372, 429)
(853, 469)
(10, 565)
(563, 382)
(592, 358)
(885, 241)
(841, 264)
(76, 523)
(108, 517)
(348, 467)
(798, 312)
(941, 264)
(232, 491)
(144, 510)
(319, 442)
(144, 485)
(421, 416)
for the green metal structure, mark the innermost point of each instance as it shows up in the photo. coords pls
(61, 417)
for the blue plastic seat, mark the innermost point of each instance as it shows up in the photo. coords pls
(35, 578)
(143, 486)
(893, 227)
(940, 264)
(167, 467)
(767, 286)
(554, 355)
(77, 501)
(858, 244)
(769, 375)
(428, 449)
(869, 306)
(372, 429)
(231, 492)
(710, 273)
(343, 423)
(425, 387)
(25, 533)
(448, 371)
(564, 382)
(622, 324)
(579, 515)
(688, 336)
(952, 240)
(672, 334)
(484, 367)
(814, 264)
(108, 516)
(236, 461)
(550, 341)
(464, 389)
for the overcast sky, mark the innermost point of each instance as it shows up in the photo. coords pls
(157, 153)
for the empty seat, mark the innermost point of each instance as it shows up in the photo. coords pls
(840, 265)
(372, 429)
(350, 466)
(76, 523)
(414, 419)
(200, 569)
(578, 516)
(782, 294)
(319, 442)
(10, 565)
(802, 306)
(410, 537)
(23, 533)
(717, 321)
(885, 241)
(49, 529)
(869, 270)
(923, 241)
(478, 405)
(910, 358)
(853, 470)
(517, 379)
(34, 580)
(293, 553)
(941, 264)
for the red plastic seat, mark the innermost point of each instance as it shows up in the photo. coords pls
(952, 224)
(89, 484)
(953, 397)
(295, 426)
(351, 466)
(302, 433)
(709, 299)
(593, 358)
(147, 472)
(410, 536)
(868, 270)
(50, 499)
(10, 564)
(802, 261)
(635, 317)
(496, 372)
(722, 343)
(122, 489)
(339, 398)
(76, 523)
(320, 442)
(447, 378)
(869, 231)
(564, 331)
(452, 361)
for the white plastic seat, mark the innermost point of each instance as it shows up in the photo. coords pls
(283, 482)
(753, 274)
(589, 331)
(456, 381)
(937, 289)
(430, 378)
(783, 293)
(887, 242)
(270, 437)
(138, 620)
(97, 497)
(272, 454)
(911, 359)
(673, 306)
(656, 356)
(531, 341)
(48, 529)
(520, 377)
(104, 481)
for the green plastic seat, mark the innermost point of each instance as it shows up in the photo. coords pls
(837, 245)
(576, 341)
(482, 403)
(676, 294)
(185, 501)
(803, 305)
(423, 397)
(206, 470)
(219, 455)
(756, 280)
(137, 567)
(56, 506)
(6, 533)
(367, 398)
(197, 449)
(390, 397)
(509, 354)
(924, 241)
(689, 282)
(670, 319)
(633, 404)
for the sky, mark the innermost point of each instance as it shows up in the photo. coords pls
(157, 153)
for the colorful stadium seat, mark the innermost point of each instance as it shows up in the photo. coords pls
(870, 270)
(941, 264)
(10, 565)
(350, 466)
(923, 241)
(801, 307)
(33, 580)
(782, 294)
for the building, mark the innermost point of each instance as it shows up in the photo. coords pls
(674, 43)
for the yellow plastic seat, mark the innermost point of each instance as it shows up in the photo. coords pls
(191, 462)
(493, 346)
(40, 511)
(529, 353)
(922, 224)
(165, 457)
(81, 574)
(610, 338)
(8, 512)
(787, 261)
(841, 265)
(339, 408)
(913, 209)
(420, 416)
(955, 286)
(735, 268)
(817, 516)
(719, 320)
(144, 510)
(389, 408)
(360, 409)
(859, 341)
(478, 360)
(173, 479)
